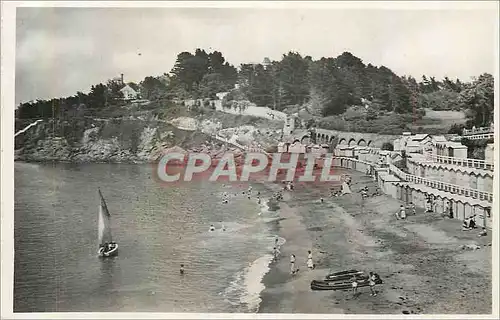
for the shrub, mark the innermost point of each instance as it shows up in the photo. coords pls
(456, 128)
(388, 146)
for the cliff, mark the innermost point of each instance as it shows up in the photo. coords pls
(138, 140)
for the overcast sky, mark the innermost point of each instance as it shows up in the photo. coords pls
(63, 50)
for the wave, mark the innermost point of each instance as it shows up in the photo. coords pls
(247, 285)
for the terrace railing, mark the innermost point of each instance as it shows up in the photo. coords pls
(464, 162)
(481, 130)
(443, 186)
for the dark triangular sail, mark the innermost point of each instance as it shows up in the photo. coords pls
(104, 231)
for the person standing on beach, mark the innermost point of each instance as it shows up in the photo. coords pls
(446, 208)
(372, 280)
(428, 205)
(413, 208)
(310, 263)
(276, 253)
(292, 264)
(402, 212)
(354, 284)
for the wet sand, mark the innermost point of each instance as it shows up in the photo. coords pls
(420, 259)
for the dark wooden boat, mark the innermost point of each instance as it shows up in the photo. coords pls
(363, 281)
(343, 275)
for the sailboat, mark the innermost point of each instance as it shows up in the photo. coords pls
(107, 247)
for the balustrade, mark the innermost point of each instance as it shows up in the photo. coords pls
(464, 162)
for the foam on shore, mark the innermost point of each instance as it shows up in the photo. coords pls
(247, 285)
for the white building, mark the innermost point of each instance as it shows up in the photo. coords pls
(129, 93)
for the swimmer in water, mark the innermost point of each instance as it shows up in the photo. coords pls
(258, 200)
(321, 199)
(212, 228)
(182, 269)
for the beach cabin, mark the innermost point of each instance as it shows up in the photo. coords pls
(457, 150)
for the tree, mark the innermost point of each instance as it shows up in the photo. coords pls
(479, 98)
(153, 88)
(113, 90)
(98, 96)
(190, 70)
(293, 72)
(388, 146)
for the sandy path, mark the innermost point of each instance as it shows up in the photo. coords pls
(420, 260)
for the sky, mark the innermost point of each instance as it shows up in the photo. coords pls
(60, 51)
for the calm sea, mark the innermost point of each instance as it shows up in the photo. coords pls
(157, 228)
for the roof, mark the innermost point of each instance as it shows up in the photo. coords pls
(439, 138)
(128, 88)
(419, 137)
(394, 155)
(455, 145)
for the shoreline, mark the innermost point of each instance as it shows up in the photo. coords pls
(420, 260)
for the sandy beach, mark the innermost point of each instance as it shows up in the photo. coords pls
(420, 259)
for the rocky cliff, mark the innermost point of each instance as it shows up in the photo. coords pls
(135, 140)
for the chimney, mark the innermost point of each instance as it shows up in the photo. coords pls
(122, 78)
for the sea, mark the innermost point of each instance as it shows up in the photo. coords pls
(158, 227)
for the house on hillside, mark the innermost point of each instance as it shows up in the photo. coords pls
(129, 92)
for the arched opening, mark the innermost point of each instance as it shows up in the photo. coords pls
(305, 140)
(369, 144)
(343, 141)
(352, 142)
(361, 142)
(296, 140)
